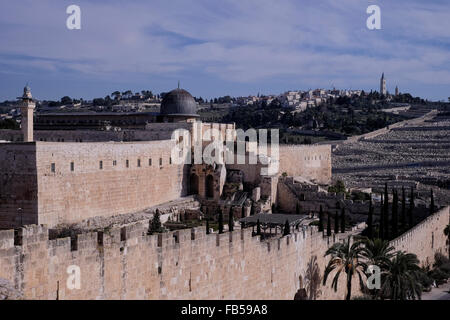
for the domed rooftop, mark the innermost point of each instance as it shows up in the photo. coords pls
(178, 102)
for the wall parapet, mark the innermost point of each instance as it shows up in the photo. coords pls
(425, 238)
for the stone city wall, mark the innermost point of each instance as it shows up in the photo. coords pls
(426, 238)
(126, 263)
(310, 162)
(18, 184)
(57, 183)
(117, 178)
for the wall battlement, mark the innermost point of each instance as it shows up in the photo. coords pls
(426, 238)
(126, 263)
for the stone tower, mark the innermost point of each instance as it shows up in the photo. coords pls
(383, 85)
(27, 106)
(396, 90)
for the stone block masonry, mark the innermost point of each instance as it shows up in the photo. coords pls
(426, 238)
(126, 263)
(53, 183)
(310, 162)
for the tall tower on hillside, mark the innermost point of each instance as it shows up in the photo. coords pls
(396, 91)
(27, 106)
(383, 85)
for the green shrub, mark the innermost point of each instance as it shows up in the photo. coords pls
(438, 275)
(439, 260)
(425, 280)
(445, 268)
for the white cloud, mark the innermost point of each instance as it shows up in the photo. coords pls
(241, 41)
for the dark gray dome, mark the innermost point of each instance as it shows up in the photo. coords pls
(178, 102)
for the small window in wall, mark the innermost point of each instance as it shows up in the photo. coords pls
(160, 161)
(150, 162)
(139, 162)
(72, 166)
(53, 167)
(101, 165)
(114, 163)
(127, 163)
(170, 160)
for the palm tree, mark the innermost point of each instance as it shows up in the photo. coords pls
(377, 252)
(347, 258)
(401, 279)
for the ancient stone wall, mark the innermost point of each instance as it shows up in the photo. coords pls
(310, 162)
(126, 263)
(18, 184)
(52, 183)
(426, 238)
(75, 183)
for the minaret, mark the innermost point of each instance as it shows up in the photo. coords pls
(383, 85)
(27, 106)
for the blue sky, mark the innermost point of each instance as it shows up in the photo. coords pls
(215, 48)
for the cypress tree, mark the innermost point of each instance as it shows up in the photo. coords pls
(207, 226)
(386, 213)
(394, 214)
(386, 198)
(381, 228)
(258, 228)
(287, 229)
(320, 219)
(403, 217)
(411, 208)
(230, 221)
(336, 222)
(370, 220)
(155, 223)
(343, 220)
(431, 203)
(329, 225)
(220, 221)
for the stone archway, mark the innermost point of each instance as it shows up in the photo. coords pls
(209, 186)
(193, 184)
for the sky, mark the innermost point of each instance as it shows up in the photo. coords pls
(222, 47)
